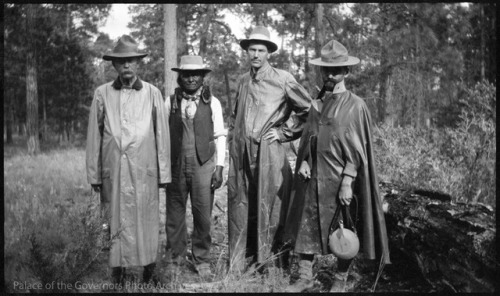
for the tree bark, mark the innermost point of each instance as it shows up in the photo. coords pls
(31, 84)
(170, 46)
(452, 244)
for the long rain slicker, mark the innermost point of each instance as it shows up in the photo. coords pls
(128, 152)
(344, 146)
(263, 102)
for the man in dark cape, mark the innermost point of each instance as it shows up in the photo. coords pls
(335, 162)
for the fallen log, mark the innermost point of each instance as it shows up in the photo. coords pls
(452, 244)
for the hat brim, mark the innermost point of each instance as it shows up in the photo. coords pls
(186, 70)
(351, 61)
(114, 56)
(271, 46)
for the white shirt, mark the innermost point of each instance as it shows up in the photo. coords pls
(220, 132)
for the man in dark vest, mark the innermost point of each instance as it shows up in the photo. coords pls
(198, 150)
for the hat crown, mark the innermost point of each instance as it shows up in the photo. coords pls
(334, 51)
(191, 62)
(126, 45)
(260, 32)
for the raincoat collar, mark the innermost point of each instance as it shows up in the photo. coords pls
(258, 75)
(117, 84)
(338, 89)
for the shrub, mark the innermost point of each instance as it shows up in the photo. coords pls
(459, 161)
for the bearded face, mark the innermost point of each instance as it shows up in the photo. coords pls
(333, 75)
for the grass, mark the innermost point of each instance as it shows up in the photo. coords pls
(45, 198)
(48, 237)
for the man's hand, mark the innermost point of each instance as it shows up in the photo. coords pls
(345, 194)
(217, 177)
(304, 170)
(96, 187)
(271, 135)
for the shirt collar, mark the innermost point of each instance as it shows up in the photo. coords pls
(117, 84)
(258, 75)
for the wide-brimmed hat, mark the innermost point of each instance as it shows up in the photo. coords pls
(259, 34)
(191, 63)
(126, 47)
(334, 54)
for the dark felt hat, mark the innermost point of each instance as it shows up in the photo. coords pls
(334, 54)
(126, 47)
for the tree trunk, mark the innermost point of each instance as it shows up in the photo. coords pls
(206, 26)
(31, 85)
(306, 51)
(170, 46)
(483, 41)
(418, 96)
(384, 85)
(319, 40)
(451, 244)
(228, 93)
(9, 121)
(182, 35)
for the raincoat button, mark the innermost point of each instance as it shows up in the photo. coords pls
(255, 155)
(124, 156)
(254, 130)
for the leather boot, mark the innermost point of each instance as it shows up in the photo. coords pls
(339, 282)
(305, 280)
(147, 274)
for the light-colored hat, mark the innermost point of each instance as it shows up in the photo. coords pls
(191, 63)
(261, 35)
(334, 54)
(126, 47)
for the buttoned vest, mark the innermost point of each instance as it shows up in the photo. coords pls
(203, 128)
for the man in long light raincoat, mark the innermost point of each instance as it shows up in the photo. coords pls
(128, 159)
(259, 177)
(335, 162)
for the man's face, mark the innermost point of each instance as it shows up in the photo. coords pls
(332, 75)
(258, 55)
(191, 81)
(126, 67)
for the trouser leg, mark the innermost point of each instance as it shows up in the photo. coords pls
(252, 228)
(147, 274)
(201, 202)
(176, 228)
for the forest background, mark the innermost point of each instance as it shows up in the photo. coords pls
(427, 73)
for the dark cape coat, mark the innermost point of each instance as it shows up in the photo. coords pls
(344, 146)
